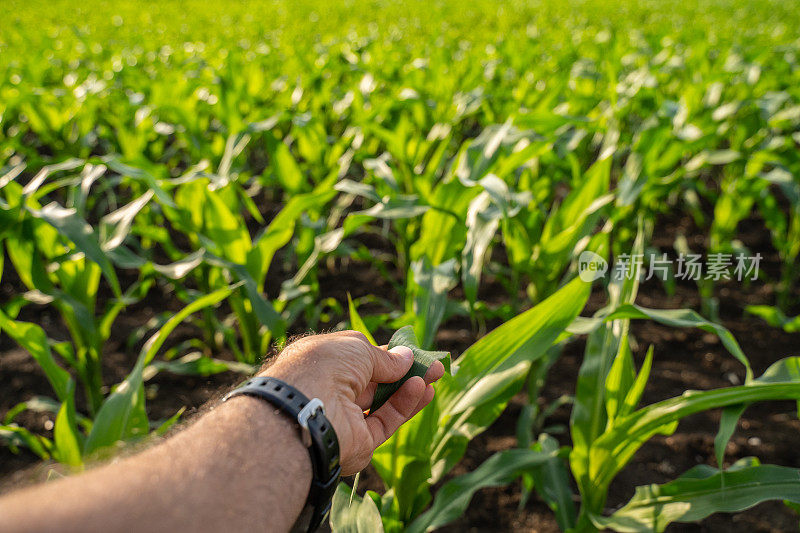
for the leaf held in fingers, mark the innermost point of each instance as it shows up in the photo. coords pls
(423, 359)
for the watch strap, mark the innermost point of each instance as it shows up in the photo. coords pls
(318, 436)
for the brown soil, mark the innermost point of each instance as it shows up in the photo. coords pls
(685, 359)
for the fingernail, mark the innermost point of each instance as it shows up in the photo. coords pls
(403, 351)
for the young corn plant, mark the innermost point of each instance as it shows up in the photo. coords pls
(121, 416)
(473, 200)
(61, 259)
(784, 226)
(607, 427)
(208, 215)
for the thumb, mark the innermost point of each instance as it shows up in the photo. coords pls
(390, 366)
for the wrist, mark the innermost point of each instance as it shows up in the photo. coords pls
(259, 423)
(317, 436)
(272, 440)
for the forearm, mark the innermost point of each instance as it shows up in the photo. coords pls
(240, 466)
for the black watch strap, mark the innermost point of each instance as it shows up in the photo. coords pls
(317, 435)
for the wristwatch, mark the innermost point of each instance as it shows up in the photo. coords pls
(317, 435)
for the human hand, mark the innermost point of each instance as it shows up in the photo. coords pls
(343, 369)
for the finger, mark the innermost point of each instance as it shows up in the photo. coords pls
(427, 396)
(388, 367)
(434, 373)
(400, 407)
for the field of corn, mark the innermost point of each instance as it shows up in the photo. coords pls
(186, 185)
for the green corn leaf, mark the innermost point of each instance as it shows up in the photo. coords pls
(286, 170)
(590, 416)
(121, 411)
(17, 436)
(785, 370)
(66, 437)
(727, 426)
(636, 390)
(423, 359)
(23, 249)
(121, 221)
(169, 423)
(11, 174)
(195, 364)
(454, 496)
(225, 229)
(577, 215)
(181, 267)
(632, 182)
(355, 321)
(688, 318)
(234, 145)
(612, 450)
(476, 158)
(33, 339)
(74, 228)
(775, 317)
(670, 317)
(483, 220)
(263, 309)
(522, 338)
(430, 286)
(492, 370)
(357, 188)
(38, 180)
(138, 174)
(330, 241)
(619, 380)
(353, 514)
(280, 231)
(37, 404)
(701, 492)
(551, 481)
(484, 215)
(186, 213)
(452, 200)
(399, 206)
(136, 291)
